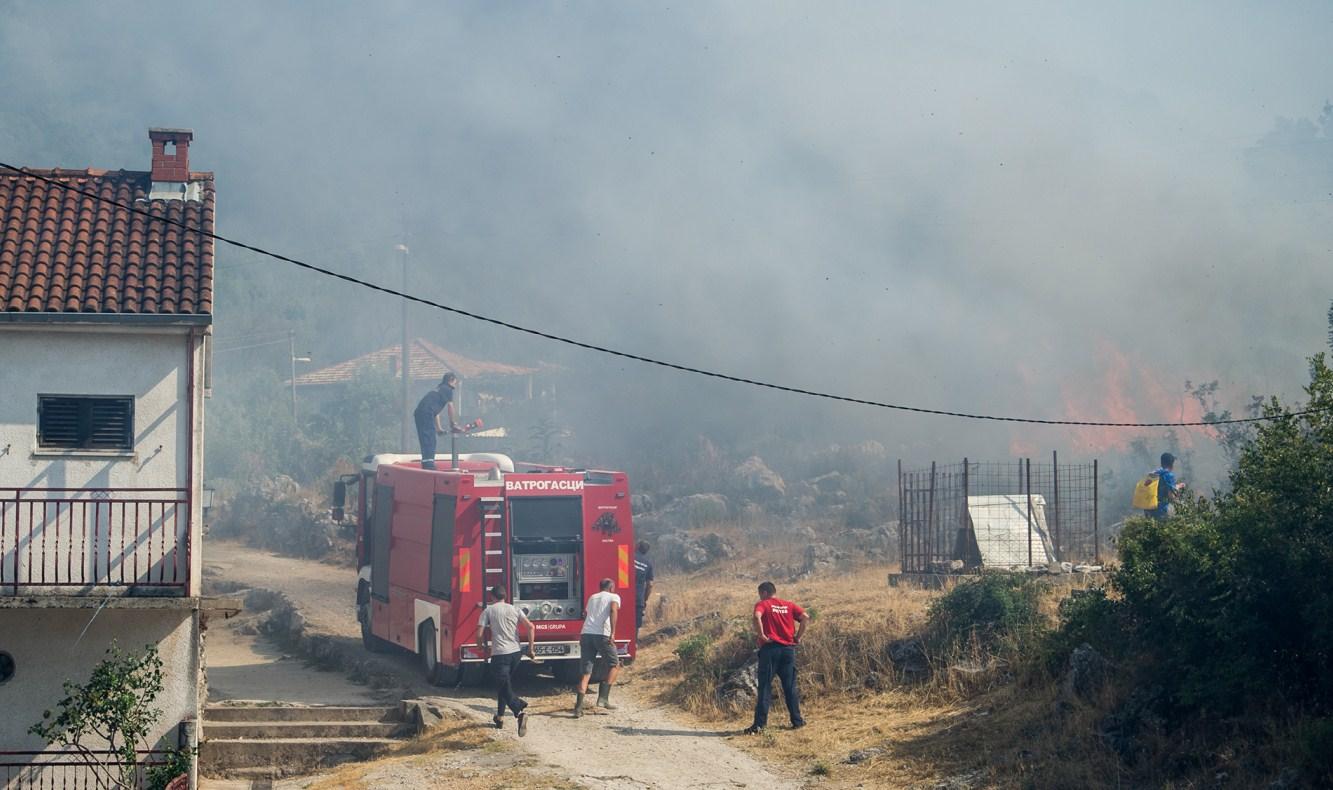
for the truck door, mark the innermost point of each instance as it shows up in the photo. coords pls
(381, 526)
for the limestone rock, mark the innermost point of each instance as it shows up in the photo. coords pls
(859, 756)
(1087, 672)
(908, 657)
(422, 714)
(740, 687)
(754, 479)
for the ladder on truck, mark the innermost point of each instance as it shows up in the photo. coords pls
(494, 544)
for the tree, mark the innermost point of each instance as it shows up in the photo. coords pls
(114, 707)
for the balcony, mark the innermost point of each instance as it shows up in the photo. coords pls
(86, 768)
(94, 542)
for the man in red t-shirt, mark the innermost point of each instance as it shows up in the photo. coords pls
(779, 625)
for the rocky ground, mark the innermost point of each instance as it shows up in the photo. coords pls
(641, 745)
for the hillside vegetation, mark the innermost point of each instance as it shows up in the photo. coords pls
(1200, 660)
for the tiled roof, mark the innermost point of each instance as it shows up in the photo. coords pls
(428, 362)
(62, 252)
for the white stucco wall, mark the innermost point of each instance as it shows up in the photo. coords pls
(50, 646)
(151, 365)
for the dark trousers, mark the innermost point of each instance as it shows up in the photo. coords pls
(780, 660)
(426, 435)
(503, 668)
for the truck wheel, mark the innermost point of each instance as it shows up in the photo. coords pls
(473, 674)
(369, 641)
(447, 675)
(428, 647)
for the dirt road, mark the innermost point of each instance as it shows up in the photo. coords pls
(640, 746)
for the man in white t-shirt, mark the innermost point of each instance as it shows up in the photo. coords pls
(595, 642)
(506, 653)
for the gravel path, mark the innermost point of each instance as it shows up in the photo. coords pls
(640, 746)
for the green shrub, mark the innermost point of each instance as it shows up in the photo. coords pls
(1087, 617)
(1314, 751)
(693, 650)
(988, 609)
(1229, 597)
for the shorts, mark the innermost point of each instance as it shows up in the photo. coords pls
(590, 646)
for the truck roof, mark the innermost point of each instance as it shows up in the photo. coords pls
(502, 462)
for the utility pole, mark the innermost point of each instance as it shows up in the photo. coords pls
(291, 347)
(404, 364)
(291, 344)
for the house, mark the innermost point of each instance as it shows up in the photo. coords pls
(485, 385)
(105, 317)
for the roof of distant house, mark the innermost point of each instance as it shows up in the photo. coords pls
(65, 252)
(427, 361)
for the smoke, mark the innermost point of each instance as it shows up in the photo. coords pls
(1038, 211)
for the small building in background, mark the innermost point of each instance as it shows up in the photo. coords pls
(105, 316)
(484, 387)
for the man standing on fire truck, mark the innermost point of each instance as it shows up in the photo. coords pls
(506, 654)
(427, 417)
(598, 626)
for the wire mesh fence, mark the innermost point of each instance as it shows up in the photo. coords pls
(1007, 514)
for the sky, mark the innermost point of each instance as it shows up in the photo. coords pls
(1035, 209)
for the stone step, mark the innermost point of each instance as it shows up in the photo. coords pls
(231, 730)
(318, 713)
(220, 757)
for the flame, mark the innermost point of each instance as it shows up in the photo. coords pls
(1125, 389)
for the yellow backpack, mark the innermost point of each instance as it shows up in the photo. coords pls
(1145, 493)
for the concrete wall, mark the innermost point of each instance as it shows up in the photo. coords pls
(50, 646)
(151, 365)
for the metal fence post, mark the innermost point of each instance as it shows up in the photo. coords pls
(902, 522)
(1096, 539)
(963, 513)
(930, 518)
(1055, 506)
(1029, 489)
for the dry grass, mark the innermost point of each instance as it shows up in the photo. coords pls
(949, 729)
(1015, 728)
(458, 754)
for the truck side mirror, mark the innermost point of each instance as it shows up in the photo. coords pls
(339, 501)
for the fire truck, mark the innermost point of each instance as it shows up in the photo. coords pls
(431, 541)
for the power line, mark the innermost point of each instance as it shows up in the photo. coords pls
(254, 345)
(645, 359)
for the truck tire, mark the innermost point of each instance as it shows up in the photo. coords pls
(428, 648)
(369, 641)
(472, 674)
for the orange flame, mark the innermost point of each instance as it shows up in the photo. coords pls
(1125, 390)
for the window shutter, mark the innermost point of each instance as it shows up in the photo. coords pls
(59, 424)
(85, 422)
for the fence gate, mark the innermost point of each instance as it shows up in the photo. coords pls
(1008, 514)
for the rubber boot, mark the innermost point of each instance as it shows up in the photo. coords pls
(604, 696)
(578, 704)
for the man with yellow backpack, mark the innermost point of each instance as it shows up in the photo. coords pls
(1155, 492)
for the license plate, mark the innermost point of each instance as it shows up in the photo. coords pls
(552, 650)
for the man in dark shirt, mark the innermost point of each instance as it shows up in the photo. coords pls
(427, 417)
(643, 585)
(779, 626)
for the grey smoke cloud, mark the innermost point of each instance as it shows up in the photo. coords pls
(963, 207)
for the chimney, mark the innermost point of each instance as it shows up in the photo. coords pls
(171, 154)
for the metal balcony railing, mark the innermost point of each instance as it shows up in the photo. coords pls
(72, 770)
(94, 540)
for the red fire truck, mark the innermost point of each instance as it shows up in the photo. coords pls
(429, 543)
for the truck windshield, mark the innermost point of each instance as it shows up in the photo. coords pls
(546, 518)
